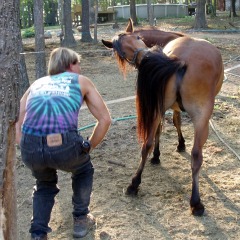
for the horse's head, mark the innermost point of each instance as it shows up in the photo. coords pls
(128, 48)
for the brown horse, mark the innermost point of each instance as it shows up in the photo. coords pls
(185, 76)
(152, 36)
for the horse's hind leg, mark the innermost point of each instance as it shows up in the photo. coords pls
(177, 124)
(156, 152)
(200, 137)
(181, 142)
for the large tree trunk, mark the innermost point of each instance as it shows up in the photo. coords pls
(200, 20)
(86, 35)
(68, 40)
(24, 80)
(40, 59)
(10, 76)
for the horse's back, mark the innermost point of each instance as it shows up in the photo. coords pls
(204, 61)
(193, 49)
(205, 72)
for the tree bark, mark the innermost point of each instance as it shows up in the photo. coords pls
(40, 58)
(86, 35)
(24, 82)
(95, 21)
(68, 40)
(10, 76)
(91, 12)
(200, 20)
(133, 12)
(60, 10)
(150, 12)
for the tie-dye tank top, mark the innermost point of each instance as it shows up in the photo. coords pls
(53, 105)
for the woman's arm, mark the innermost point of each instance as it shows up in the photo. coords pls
(98, 109)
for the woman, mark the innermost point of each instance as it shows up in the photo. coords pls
(48, 137)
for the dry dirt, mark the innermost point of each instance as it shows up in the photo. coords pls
(161, 209)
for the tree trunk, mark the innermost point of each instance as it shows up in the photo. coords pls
(60, 11)
(150, 12)
(29, 15)
(133, 12)
(233, 9)
(10, 76)
(40, 59)
(91, 12)
(86, 36)
(95, 21)
(200, 20)
(68, 40)
(24, 81)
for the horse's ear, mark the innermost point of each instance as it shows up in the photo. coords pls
(107, 44)
(129, 27)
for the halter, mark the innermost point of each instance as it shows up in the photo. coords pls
(122, 55)
(133, 61)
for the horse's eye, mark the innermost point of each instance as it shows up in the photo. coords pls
(138, 38)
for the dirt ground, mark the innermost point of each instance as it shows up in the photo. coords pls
(161, 209)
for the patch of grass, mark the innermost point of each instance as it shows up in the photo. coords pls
(28, 32)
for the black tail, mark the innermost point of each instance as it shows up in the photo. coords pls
(153, 74)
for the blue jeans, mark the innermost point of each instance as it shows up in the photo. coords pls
(44, 162)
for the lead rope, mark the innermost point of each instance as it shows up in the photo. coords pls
(224, 142)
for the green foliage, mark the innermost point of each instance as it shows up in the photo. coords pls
(28, 33)
(103, 4)
(50, 12)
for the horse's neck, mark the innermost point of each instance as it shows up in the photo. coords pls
(140, 56)
(158, 37)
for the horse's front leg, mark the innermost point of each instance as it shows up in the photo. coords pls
(146, 148)
(177, 124)
(200, 137)
(136, 180)
(156, 152)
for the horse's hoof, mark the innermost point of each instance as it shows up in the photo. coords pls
(132, 190)
(198, 209)
(181, 149)
(155, 160)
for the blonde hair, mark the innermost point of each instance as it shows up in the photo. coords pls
(60, 60)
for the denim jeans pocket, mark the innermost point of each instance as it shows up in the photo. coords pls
(67, 157)
(31, 158)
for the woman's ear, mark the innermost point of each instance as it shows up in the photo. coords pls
(70, 67)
